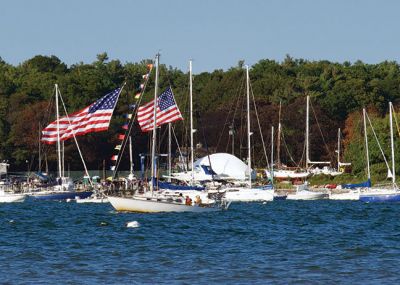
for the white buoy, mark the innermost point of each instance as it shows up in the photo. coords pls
(133, 224)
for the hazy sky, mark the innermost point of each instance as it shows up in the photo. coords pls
(216, 34)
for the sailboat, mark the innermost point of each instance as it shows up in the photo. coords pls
(302, 191)
(248, 193)
(376, 194)
(343, 194)
(6, 193)
(63, 188)
(152, 201)
(282, 172)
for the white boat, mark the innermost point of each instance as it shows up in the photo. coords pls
(7, 196)
(154, 205)
(288, 174)
(348, 195)
(154, 201)
(248, 193)
(11, 197)
(303, 193)
(92, 199)
(325, 171)
(242, 194)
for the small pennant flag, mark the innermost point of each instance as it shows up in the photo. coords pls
(121, 137)
(137, 96)
(145, 76)
(127, 116)
(125, 126)
(114, 157)
(132, 106)
(117, 147)
(112, 168)
(141, 86)
(150, 66)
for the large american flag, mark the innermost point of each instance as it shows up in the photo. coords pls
(167, 111)
(94, 118)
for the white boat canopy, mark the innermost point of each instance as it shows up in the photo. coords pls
(225, 165)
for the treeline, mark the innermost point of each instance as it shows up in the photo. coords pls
(338, 93)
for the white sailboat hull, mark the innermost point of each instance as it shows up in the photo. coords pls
(352, 195)
(11, 198)
(248, 195)
(288, 174)
(307, 195)
(143, 205)
(92, 200)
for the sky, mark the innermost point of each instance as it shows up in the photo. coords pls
(215, 34)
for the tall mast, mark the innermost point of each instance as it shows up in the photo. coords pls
(191, 122)
(307, 132)
(130, 156)
(248, 124)
(392, 143)
(62, 159)
(58, 135)
(153, 146)
(272, 155)
(366, 144)
(40, 151)
(338, 149)
(169, 152)
(278, 143)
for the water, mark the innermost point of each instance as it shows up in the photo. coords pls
(299, 242)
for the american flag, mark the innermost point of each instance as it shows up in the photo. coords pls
(167, 111)
(94, 118)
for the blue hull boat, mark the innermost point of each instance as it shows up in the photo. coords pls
(61, 195)
(384, 197)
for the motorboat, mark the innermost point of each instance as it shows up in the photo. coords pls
(304, 193)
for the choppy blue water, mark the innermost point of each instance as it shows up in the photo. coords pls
(298, 242)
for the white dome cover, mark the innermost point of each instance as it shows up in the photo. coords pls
(225, 165)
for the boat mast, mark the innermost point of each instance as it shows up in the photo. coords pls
(191, 122)
(130, 157)
(278, 143)
(40, 151)
(307, 132)
(153, 146)
(169, 153)
(58, 135)
(392, 143)
(62, 159)
(248, 124)
(272, 155)
(366, 144)
(338, 149)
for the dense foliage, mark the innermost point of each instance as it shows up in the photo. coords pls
(338, 93)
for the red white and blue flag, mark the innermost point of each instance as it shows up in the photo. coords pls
(167, 111)
(94, 118)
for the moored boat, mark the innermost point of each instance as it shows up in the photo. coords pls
(246, 194)
(11, 197)
(303, 193)
(155, 205)
(380, 195)
(348, 195)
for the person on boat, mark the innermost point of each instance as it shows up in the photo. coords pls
(197, 201)
(188, 201)
(180, 198)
